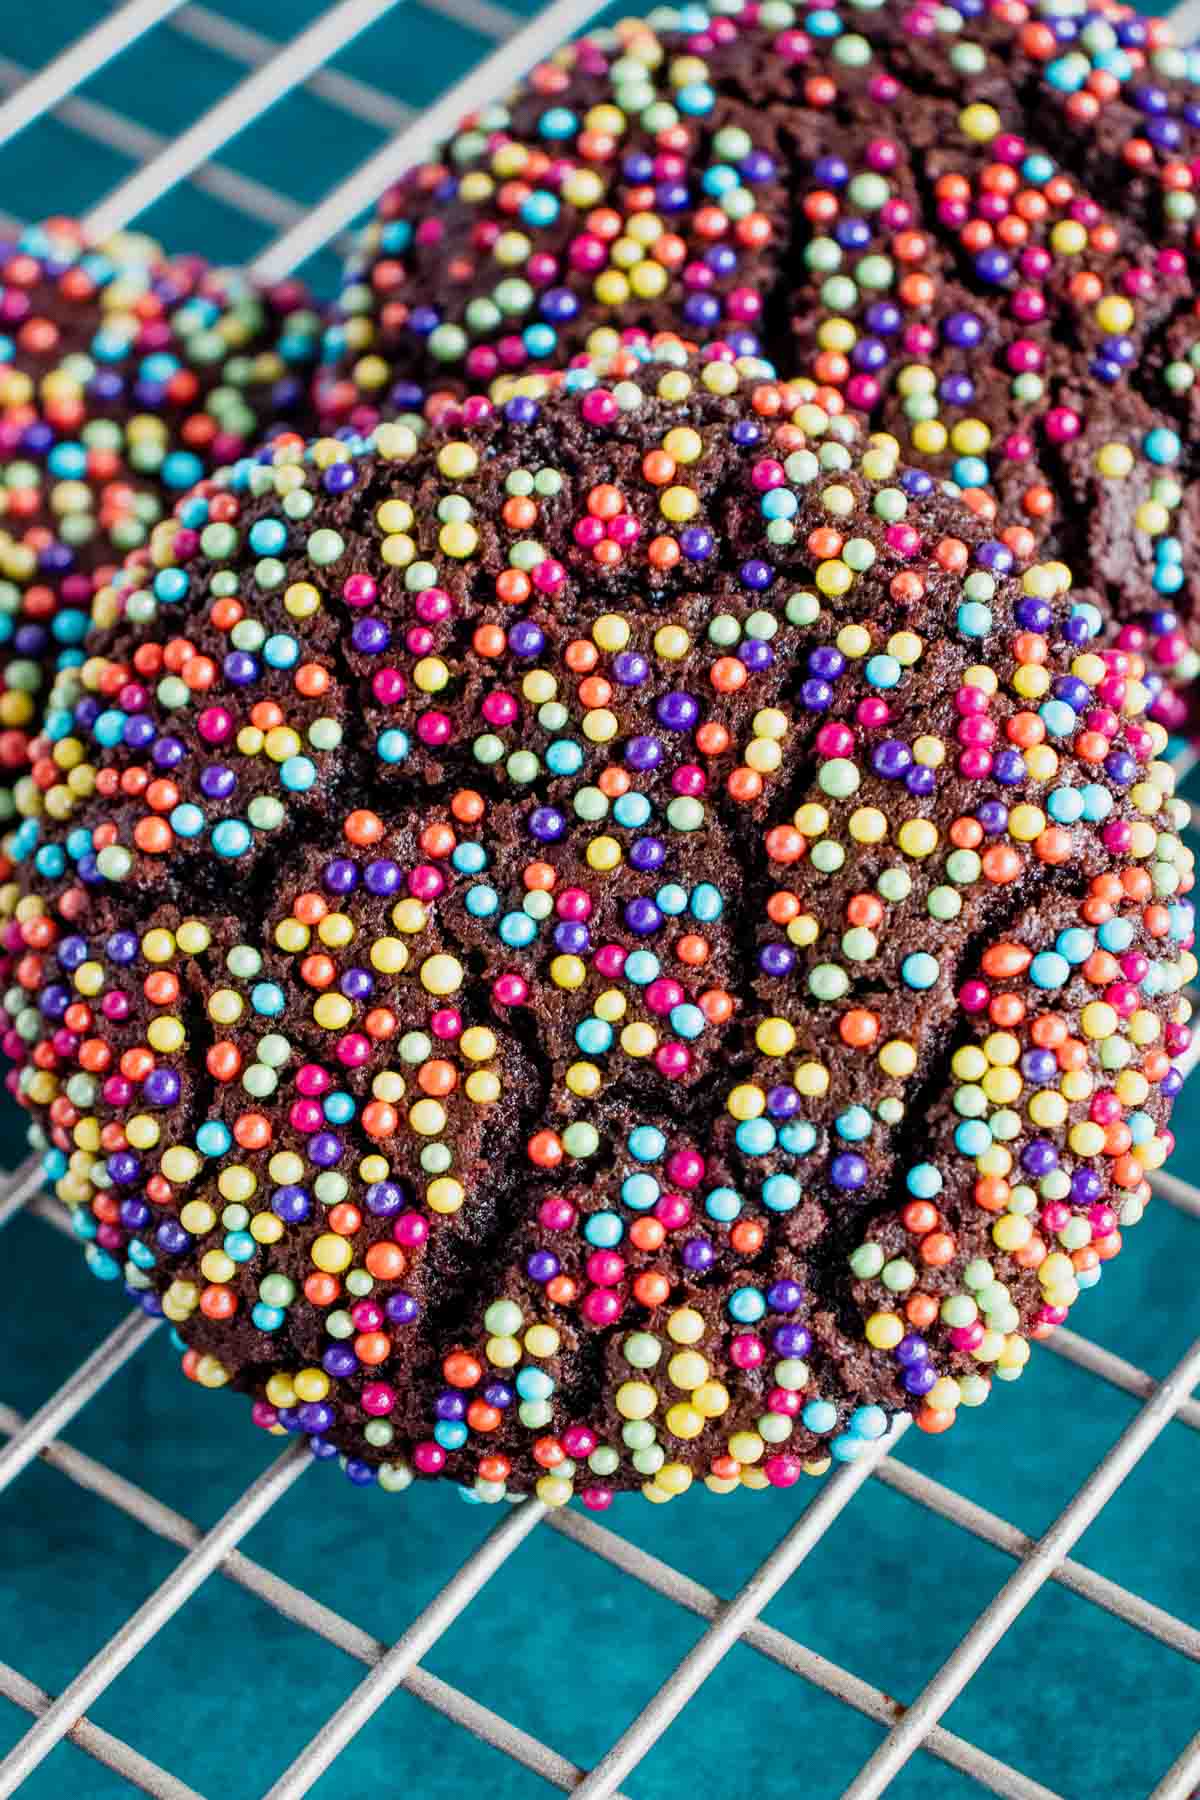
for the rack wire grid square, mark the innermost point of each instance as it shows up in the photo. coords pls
(165, 1628)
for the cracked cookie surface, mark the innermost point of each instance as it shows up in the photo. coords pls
(977, 223)
(624, 939)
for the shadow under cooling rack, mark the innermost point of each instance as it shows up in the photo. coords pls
(566, 1626)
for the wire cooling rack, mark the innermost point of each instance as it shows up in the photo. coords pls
(269, 71)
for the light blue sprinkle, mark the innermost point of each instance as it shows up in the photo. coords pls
(924, 1181)
(920, 970)
(781, 1193)
(517, 929)
(603, 1230)
(534, 1384)
(970, 472)
(706, 903)
(109, 728)
(298, 774)
(631, 811)
(1161, 445)
(869, 1422)
(883, 671)
(820, 1415)
(747, 1305)
(642, 967)
(593, 1036)
(469, 858)
(972, 1138)
(170, 585)
(539, 208)
(640, 1192)
(755, 1137)
(281, 651)
(558, 122)
(686, 1021)
(268, 537)
(1068, 73)
(723, 1204)
(564, 757)
(213, 1138)
(719, 179)
(1141, 1127)
(392, 745)
(798, 1137)
(50, 861)
(696, 98)
(1049, 970)
(1097, 802)
(67, 461)
(854, 1124)
(231, 838)
(646, 1143)
(1065, 806)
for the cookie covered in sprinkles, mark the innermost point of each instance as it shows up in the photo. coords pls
(621, 941)
(976, 221)
(125, 376)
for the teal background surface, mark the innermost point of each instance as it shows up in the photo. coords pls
(559, 1643)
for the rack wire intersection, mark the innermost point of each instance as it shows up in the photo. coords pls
(273, 70)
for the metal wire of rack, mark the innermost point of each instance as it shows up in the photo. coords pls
(274, 70)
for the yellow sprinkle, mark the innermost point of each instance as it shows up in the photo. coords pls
(441, 974)
(685, 1325)
(980, 123)
(775, 1037)
(746, 1101)
(868, 825)
(898, 1059)
(1099, 1019)
(688, 1370)
(635, 1400)
(746, 1447)
(331, 1253)
(884, 1330)
(812, 1079)
(1114, 461)
(445, 1195)
(1048, 1109)
(541, 1340)
(917, 837)
(1086, 1138)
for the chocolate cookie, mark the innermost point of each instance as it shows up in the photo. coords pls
(625, 939)
(974, 222)
(125, 377)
